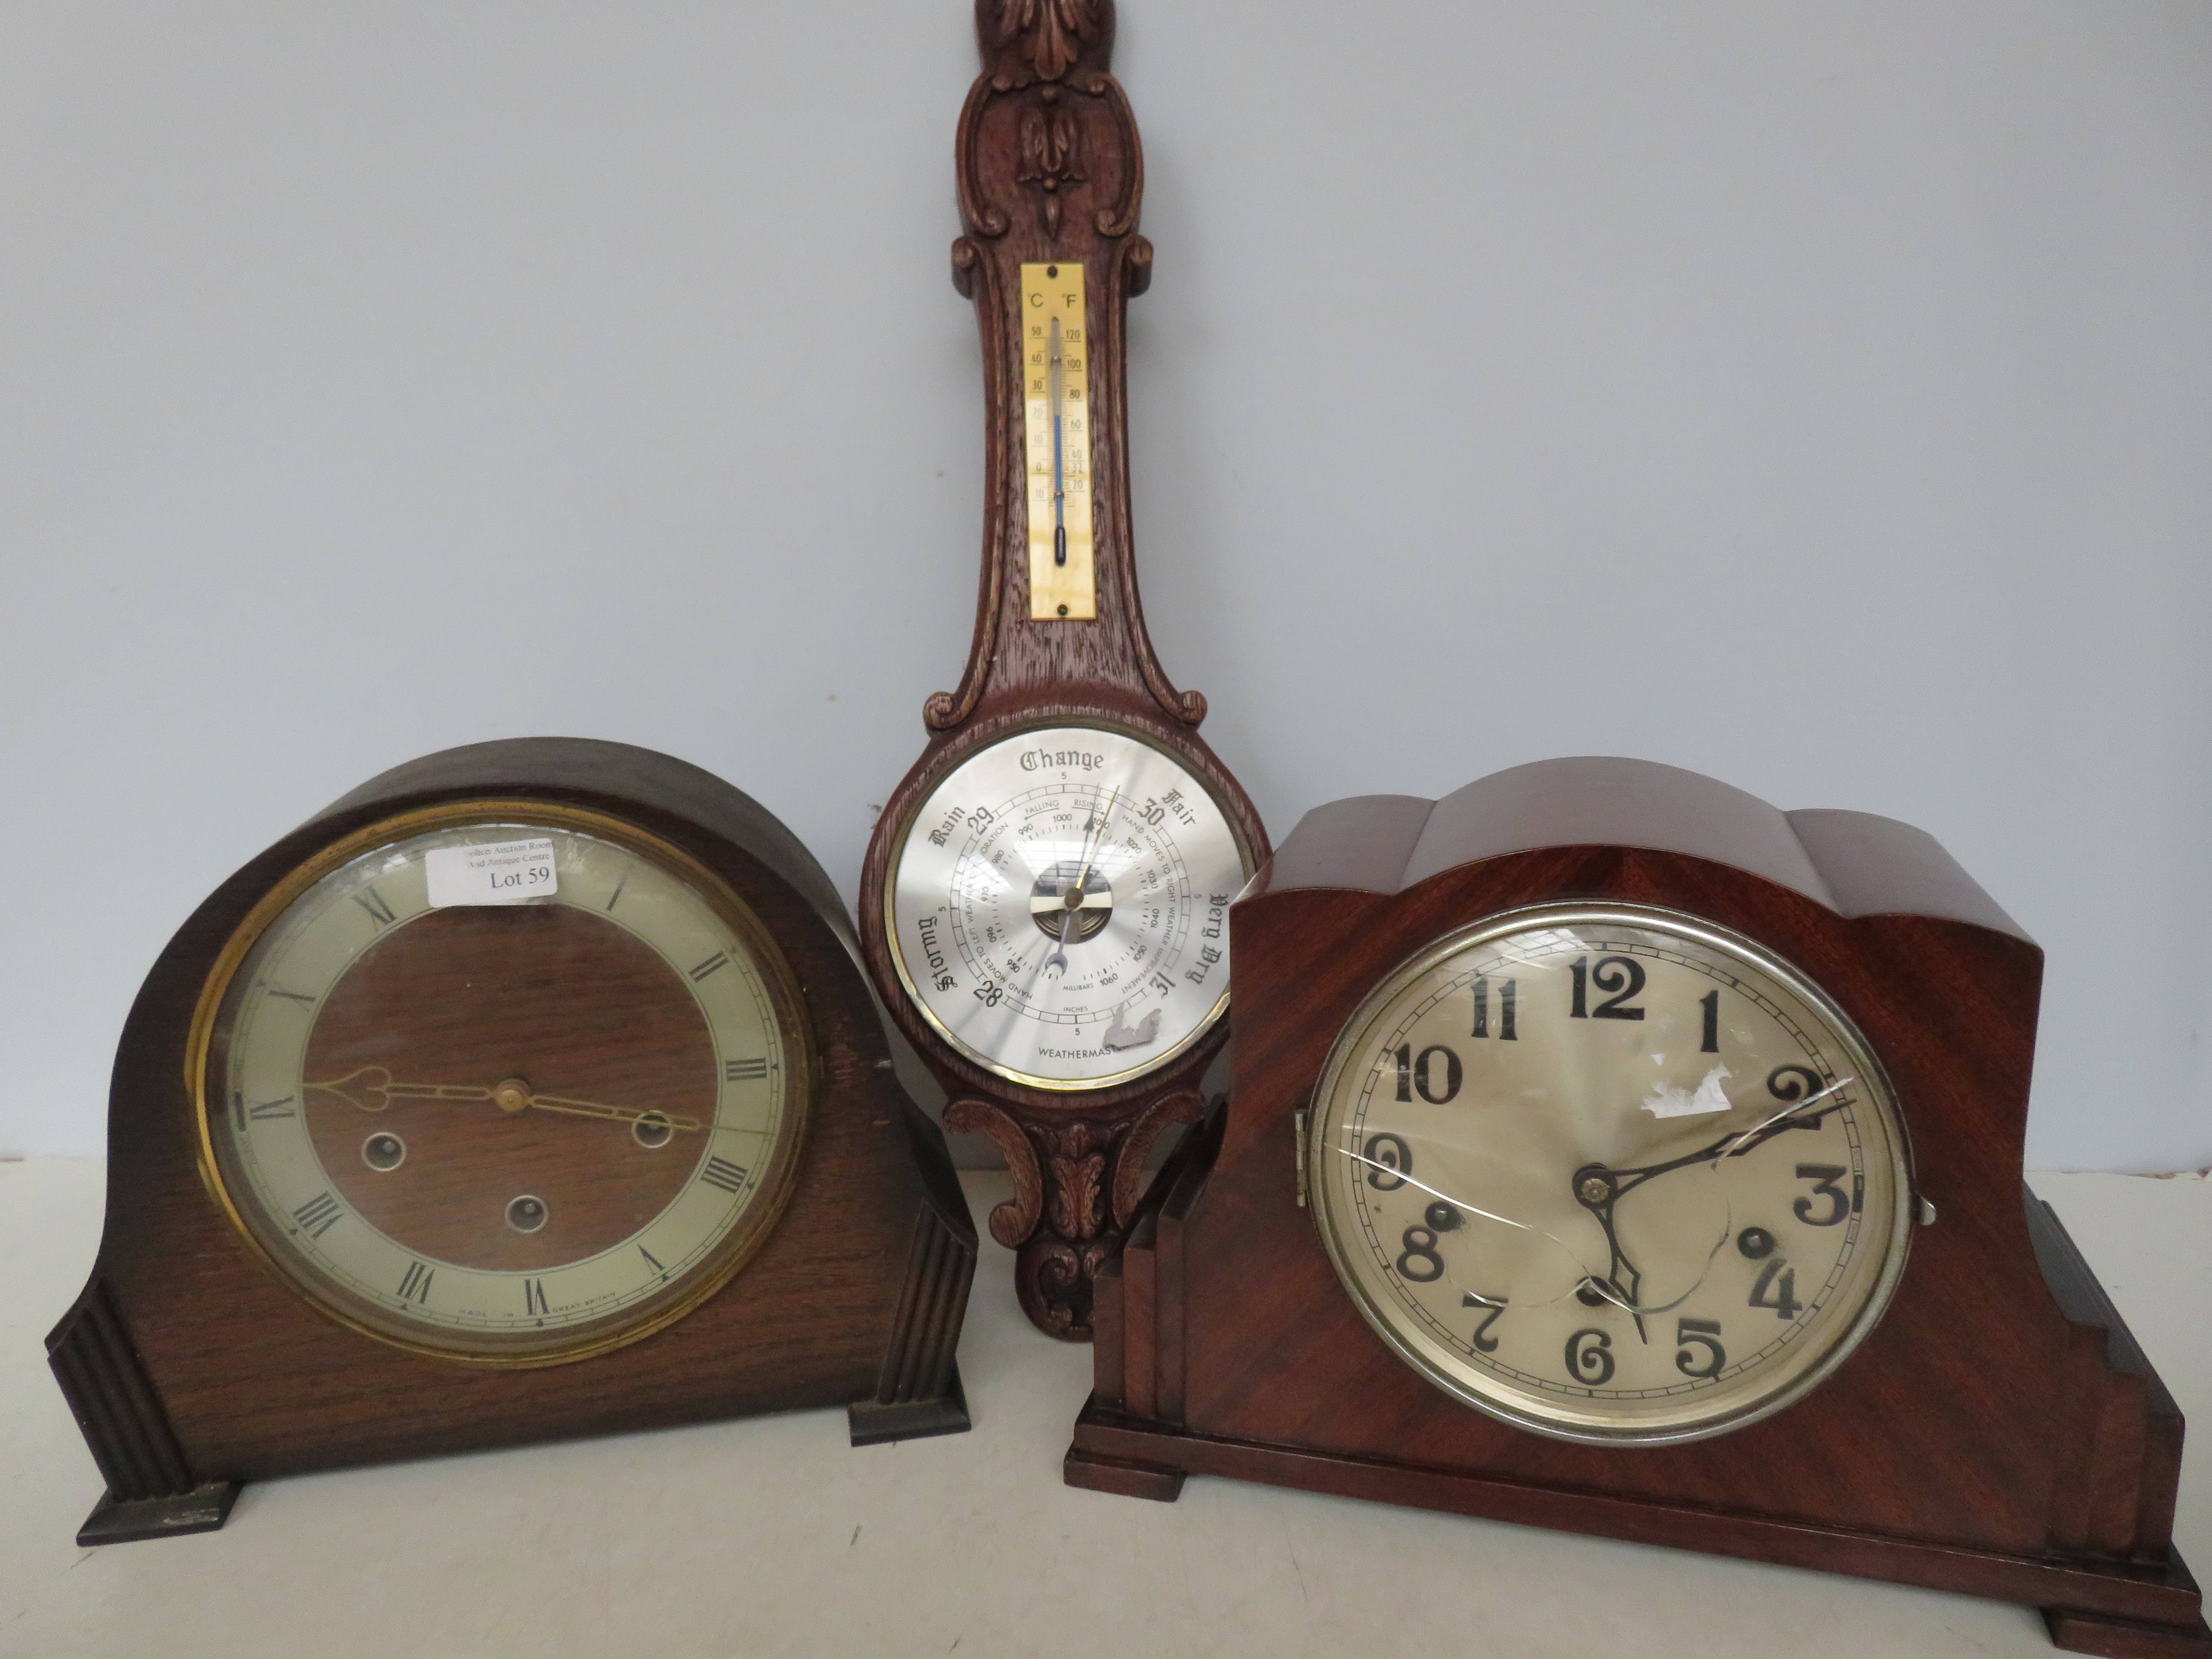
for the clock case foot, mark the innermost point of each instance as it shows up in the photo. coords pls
(877, 1423)
(129, 1520)
(191, 1370)
(2000, 1434)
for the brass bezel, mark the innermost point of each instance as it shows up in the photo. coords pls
(888, 919)
(753, 1226)
(1452, 1377)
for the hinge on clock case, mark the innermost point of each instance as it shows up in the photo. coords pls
(1298, 1125)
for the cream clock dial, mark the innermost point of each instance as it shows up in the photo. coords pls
(1059, 907)
(505, 1086)
(1614, 1174)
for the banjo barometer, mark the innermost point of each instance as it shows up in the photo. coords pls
(1045, 901)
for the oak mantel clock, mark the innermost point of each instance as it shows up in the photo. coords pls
(1608, 1150)
(531, 1090)
(1044, 902)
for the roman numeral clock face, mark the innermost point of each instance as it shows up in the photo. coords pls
(1614, 1176)
(512, 1086)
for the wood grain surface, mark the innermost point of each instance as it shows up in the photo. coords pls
(564, 1000)
(1997, 1433)
(855, 1296)
(1050, 168)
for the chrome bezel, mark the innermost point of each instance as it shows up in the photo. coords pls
(1585, 1424)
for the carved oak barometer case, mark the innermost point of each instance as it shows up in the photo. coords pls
(1045, 901)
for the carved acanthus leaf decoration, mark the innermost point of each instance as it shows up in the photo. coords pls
(1076, 1156)
(1051, 152)
(1057, 31)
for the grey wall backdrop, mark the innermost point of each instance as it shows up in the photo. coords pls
(1816, 396)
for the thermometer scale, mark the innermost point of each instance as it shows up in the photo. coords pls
(1056, 397)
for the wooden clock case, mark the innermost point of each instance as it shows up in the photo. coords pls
(191, 1367)
(1049, 168)
(1998, 1433)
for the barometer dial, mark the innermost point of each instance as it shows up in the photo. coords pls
(1059, 907)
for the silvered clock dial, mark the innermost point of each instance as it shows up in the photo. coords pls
(1611, 1174)
(1059, 907)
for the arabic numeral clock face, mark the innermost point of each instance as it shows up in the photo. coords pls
(504, 1082)
(1615, 1175)
(1059, 907)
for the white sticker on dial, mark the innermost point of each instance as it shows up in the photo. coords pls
(491, 872)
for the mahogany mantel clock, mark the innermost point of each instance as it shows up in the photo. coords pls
(531, 1090)
(1611, 1152)
(1044, 903)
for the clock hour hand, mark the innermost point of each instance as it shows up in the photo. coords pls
(372, 1089)
(1623, 1282)
(1598, 1189)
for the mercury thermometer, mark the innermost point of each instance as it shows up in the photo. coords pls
(1056, 397)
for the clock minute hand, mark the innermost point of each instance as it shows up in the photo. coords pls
(1735, 1144)
(1597, 1189)
(618, 1114)
(509, 1095)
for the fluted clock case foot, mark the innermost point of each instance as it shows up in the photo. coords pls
(1609, 1151)
(876, 1422)
(531, 1090)
(130, 1520)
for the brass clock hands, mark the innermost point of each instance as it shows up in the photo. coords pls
(509, 1095)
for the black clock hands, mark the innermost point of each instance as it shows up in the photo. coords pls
(1596, 1185)
(1598, 1188)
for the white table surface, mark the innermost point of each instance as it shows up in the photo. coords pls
(776, 1537)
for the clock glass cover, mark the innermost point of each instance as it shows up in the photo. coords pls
(1615, 1174)
(1059, 907)
(503, 1081)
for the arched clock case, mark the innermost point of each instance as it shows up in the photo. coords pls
(531, 1090)
(1608, 1150)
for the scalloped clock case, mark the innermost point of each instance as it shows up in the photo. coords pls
(190, 1369)
(1998, 1433)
